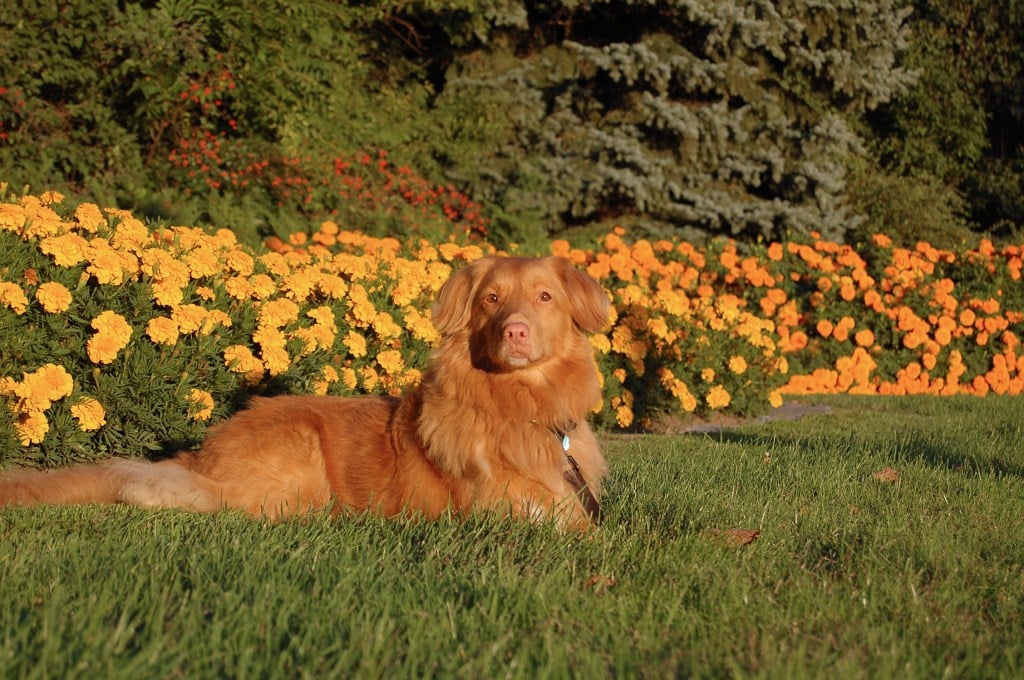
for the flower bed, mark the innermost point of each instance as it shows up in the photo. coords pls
(117, 337)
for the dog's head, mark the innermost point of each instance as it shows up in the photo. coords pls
(519, 312)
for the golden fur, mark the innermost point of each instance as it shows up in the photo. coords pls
(512, 374)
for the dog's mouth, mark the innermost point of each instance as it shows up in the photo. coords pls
(516, 359)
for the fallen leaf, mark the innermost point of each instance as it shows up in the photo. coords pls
(888, 475)
(601, 582)
(736, 537)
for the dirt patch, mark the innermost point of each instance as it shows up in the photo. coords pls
(694, 425)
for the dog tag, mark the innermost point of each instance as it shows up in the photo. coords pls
(565, 442)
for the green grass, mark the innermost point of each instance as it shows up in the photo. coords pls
(850, 576)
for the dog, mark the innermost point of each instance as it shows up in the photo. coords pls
(497, 422)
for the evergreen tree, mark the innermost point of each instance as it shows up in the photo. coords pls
(674, 115)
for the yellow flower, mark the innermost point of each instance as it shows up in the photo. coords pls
(51, 197)
(105, 263)
(330, 376)
(102, 348)
(201, 403)
(277, 313)
(350, 378)
(262, 286)
(238, 287)
(738, 365)
(167, 293)
(67, 250)
(53, 297)
(363, 310)
(600, 343)
(356, 344)
(89, 217)
(370, 378)
(190, 318)
(239, 262)
(624, 416)
(391, 361)
(718, 397)
(89, 413)
(53, 381)
(114, 325)
(332, 285)
(13, 296)
(707, 375)
(386, 327)
(202, 262)
(162, 331)
(31, 427)
(37, 390)
(240, 359)
(12, 217)
(275, 358)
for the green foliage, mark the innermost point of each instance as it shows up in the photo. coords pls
(723, 117)
(202, 112)
(959, 126)
(913, 208)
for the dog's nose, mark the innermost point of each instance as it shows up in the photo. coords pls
(516, 331)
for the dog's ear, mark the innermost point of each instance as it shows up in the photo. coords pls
(589, 300)
(454, 302)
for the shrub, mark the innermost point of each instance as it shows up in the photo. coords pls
(120, 338)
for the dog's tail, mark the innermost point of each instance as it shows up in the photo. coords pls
(78, 484)
(166, 484)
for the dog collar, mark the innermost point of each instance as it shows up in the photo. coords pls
(579, 485)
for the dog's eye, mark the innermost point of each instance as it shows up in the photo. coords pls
(545, 296)
(491, 298)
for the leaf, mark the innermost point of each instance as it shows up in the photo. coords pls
(735, 537)
(888, 475)
(600, 582)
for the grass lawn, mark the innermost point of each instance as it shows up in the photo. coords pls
(917, 574)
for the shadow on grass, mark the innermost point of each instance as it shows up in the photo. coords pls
(911, 446)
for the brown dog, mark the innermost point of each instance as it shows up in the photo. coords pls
(498, 421)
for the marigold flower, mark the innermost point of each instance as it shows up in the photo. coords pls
(738, 365)
(275, 359)
(11, 295)
(262, 286)
(798, 340)
(864, 338)
(67, 250)
(349, 378)
(89, 217)
(201, 404)
(89, 413)
(54, 297)
(391, 361)
(624, 416)
(31, 427)
(113, 324)
(240, 359)
(824, 328)
(277, 313)
(103, 348)
(162, 330)
(718, 398)
(39, 389)
(355, 343)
